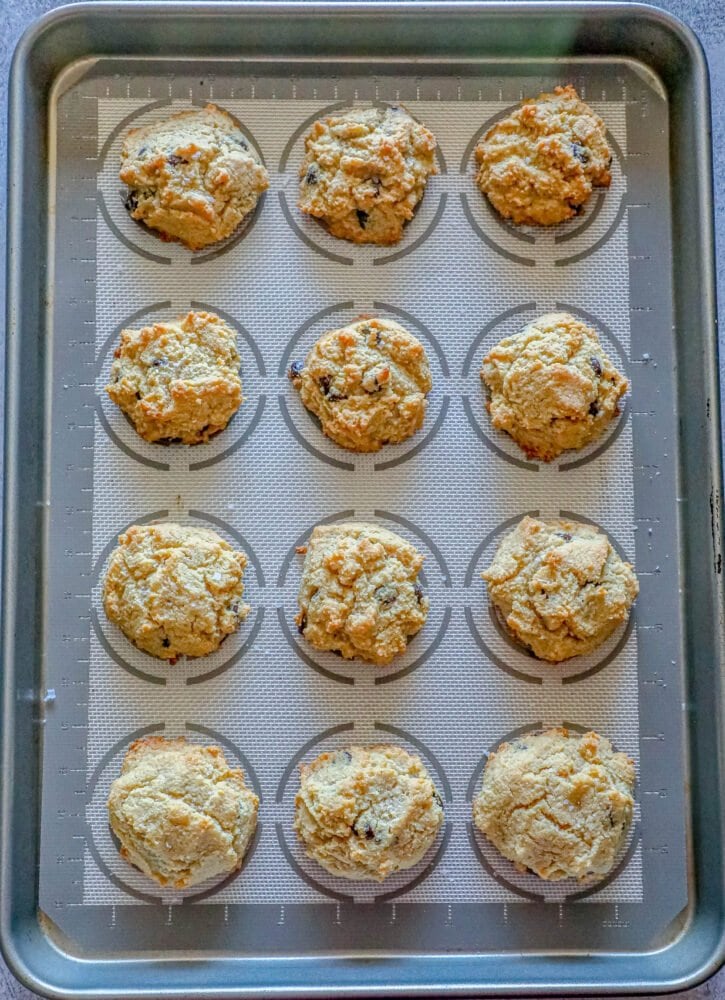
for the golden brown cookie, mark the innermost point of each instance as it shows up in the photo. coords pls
(175, 590)
(539, 165)
(366, 383)
(560, 587)
(552, 386)
(178, 381)
(359, 594)
(364, 171)
(193, 177)
(367, 812)
(557, 803)
(180, 813)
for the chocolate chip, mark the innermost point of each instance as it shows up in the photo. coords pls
(326, 387)
(579, 152)
(159, 362)
(437, 797)
(362, 217)
(378, 338)
(241, 142)
(596, 365)
(235, 609)
(418, 591)
(386, 595)
(295, 369)
(165, 642)
(138, 395)
(173, 160)
(312, 177)
(565, 535)
(302, 624)
(593, 409)
(377, 184)
(347, 755)
(131, 202)
(142, 151)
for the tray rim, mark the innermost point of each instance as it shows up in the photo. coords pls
(375, 983)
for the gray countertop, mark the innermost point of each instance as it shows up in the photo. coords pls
(706, 17)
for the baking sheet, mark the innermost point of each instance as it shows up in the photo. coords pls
(460, 281)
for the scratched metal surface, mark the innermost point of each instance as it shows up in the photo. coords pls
(266, 696)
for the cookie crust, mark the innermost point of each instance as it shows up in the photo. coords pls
(178, 381)
(359, 594)
(552, 386)
(193, 177)
(175, 590)
(557, 803)
(367, 812)
(364, 171)
(367, 384)
(560, 587)
(540, 164)
(180, 812)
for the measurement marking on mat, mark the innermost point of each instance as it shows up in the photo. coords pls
(280, 922)
(393, 913)
(337, 914)
(226, 913)
(505, 913)
(655, 737)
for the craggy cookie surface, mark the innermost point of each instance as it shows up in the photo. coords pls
(180, 812)
(539, 165)
(551, 386)
(359, 594)
(367, 812)
(367, 384)
(557, 803)
(178, 381)
(193, 177)
(560, 587)
(364, 171)
(175, 590)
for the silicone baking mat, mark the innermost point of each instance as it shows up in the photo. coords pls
(460, 280)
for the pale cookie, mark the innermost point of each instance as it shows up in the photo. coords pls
(557, 804)
(366, 383)
(193, 177)
(367, 812)
(181, 813)
(364, 171)
(560, 587)
(359, 594)
(175, 590)
(178, 381)
(552, 387)
(539, 165)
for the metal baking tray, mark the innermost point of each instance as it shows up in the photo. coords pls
(86, 947)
